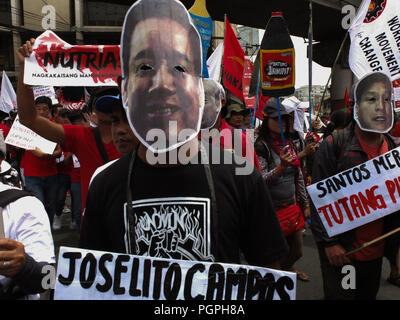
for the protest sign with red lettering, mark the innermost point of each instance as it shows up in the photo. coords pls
(54, 62)
(23, 137)
(359, 195)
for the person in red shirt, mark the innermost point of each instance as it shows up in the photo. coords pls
(64, 167)
(76, 118)
(5, 130)
(40, 169)
(78, 140)
(363, 139)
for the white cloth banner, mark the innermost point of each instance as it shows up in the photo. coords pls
(375, 39)
(8, 98)
(47, 91)
(214, 62)
(96, 275)
(23, 137)
(359, 195)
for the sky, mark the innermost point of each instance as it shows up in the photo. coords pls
(320, 74)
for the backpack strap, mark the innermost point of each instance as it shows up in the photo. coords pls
(7, 197)
(338, 139)
(100, 145)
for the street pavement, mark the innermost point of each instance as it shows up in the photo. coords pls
(309, 264)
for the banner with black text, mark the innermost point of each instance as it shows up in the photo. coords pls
(54, 62)
(93, 275)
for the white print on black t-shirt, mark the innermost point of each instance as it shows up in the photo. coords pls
(172, 228)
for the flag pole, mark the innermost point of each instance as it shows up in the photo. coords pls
(310, 59)
(335, 62)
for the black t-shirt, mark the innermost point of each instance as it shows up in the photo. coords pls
(174, 218)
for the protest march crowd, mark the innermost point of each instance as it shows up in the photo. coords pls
(177, 186)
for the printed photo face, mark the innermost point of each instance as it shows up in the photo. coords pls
(162, 85)
(373, 111)
(212, 105)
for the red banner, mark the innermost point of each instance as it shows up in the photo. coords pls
(248, 69)
(232, 63)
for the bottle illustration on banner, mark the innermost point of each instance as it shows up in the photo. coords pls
(277, 59)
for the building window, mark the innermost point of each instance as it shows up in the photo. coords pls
(99, 13)
(6, 52)
(5, 12)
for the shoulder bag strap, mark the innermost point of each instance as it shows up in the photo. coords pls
(100, 145)
(7, 197)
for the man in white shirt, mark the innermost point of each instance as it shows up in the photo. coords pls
(26, 245)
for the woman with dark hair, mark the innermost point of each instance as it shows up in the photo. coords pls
(280, 167)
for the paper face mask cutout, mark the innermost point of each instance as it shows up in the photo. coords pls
(161, 63)
(213, 93)
(373, 109)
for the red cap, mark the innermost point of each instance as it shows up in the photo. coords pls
(276, 14)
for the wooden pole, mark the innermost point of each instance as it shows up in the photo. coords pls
(367, 244)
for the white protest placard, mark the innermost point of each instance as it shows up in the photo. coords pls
(46, 91)
(375, 39)
(22, 137)
(359, 195)
(54, 62)
(96, 275)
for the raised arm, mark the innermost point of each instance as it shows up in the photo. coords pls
(25, 100)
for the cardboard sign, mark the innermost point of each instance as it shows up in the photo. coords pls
(46, 91)
(95, 275)
(358, 195)
(277, 69)
(23, 137)
(54, 62)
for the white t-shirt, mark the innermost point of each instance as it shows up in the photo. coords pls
(26, 221)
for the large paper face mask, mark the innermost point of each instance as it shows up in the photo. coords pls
(373, 109)
(213, 93)
(161, 63)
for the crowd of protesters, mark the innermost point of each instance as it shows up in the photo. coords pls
(257, 219)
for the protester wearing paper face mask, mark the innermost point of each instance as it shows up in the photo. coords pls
(199, 195)
(363, 139)
(162, 82)
(213, 94)
(373, 107)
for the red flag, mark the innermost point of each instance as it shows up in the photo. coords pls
(232, 62)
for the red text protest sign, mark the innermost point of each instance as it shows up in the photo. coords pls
(358, 195)
(54, 62)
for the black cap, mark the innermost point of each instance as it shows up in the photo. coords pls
(271, 108)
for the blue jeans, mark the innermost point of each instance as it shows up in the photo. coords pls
(45, 189)
(64, 184)
(76, 202)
